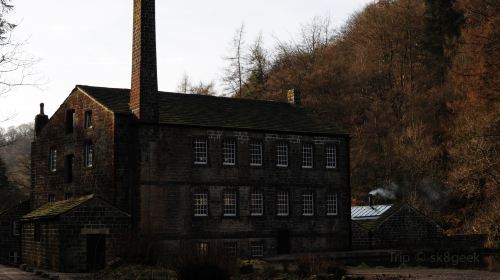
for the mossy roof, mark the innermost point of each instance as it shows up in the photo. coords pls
(57, 208)
(220, 112)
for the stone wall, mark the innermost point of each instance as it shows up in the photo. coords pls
(168, 179)
(45, 253)
(96, 179)
(407, 228)
(10, 243)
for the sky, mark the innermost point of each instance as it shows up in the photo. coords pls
(90, 42)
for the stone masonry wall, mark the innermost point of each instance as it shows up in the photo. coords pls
(96, 179)
(94, 217)
(10, 243)
(46, 252)
(168, 179)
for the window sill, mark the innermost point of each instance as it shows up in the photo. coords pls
(331, 167)
(307, 215)
(331, 215)
(255, 165)
(282, 166)
(307, 167)
(200, 163)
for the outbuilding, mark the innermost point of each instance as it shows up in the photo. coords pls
(80, 234)
(392, 226)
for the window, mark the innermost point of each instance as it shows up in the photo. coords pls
(257, 248)
(88, 119)
(70, 119)
(200, 204)
(332, 204)
(16, 228)
(282, 154)
(308, 203)
(14, 257)
(200, 151)
(53, 159)
(282, 204)
(256, 204)
(68, 196)
(229, 152)
(51, 197)
(307, 155)
(36, 232)
(331, 156)
(230, 204)
(202, 249)
(255, 153)
(231, 248)
(88, 158)
(68, 168)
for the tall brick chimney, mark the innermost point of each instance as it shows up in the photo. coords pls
(144, 88)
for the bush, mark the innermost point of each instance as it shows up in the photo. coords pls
(311, 265)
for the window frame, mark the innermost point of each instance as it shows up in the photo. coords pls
(196, 141)
(253, 244)
(232, 208)
(202, 209)
(51, 197)
(52, 159)
(230, 150)
(88, 154)
(282, 158)
(253, 206)
(331, 157)
(259, 156)
(309, 146)
(231, 248)
(87, 119)
(332, 204)
(16, 228)
(202, 249)
(308, 203)
(285, 205)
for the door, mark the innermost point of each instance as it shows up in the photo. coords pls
(96, 252)
(283, 240)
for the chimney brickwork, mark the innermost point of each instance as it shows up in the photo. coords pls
(144, 88)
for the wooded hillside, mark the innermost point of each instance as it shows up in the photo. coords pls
(416, 84)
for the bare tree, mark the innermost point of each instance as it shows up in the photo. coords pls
(235, 73)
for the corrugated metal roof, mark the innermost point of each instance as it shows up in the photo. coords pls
(368, 212)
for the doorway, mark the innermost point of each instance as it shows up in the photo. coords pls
(96, 252)
(283, 240)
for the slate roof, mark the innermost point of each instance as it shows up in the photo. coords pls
(372, 218)
(219, 112)
(57, 208)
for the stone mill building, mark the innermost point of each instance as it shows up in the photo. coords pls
(256, 178)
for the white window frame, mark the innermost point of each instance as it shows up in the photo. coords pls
(88, 119)
(332, 203)
(200, 204)
(229, 151)
(88, 156)
(256, 149)
(331, 156)
(257, 248)
(307, 155)
(230, 203)
(53, 159)
(308, 203)
(231, 248)
(282, 204)
(16, 228)
(200, 150)
(14, 257)
(282, 154)
(202, 249)
(256, 203)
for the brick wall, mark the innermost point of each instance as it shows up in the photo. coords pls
(10, 243)
(168, 178)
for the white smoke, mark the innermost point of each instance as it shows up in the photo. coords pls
(388, 194)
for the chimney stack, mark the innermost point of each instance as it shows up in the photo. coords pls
(294, 97)
(40, 121)
(370, 200)
(144, 88)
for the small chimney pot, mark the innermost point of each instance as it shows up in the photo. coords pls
(294, 97)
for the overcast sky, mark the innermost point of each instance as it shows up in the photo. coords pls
(89, 42)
